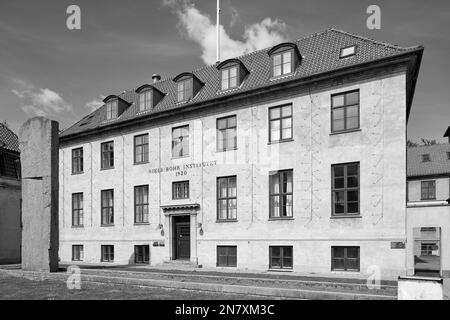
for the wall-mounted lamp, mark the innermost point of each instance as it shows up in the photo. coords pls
(160, 226)
(201, 229)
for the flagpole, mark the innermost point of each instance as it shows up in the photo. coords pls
(218, 32)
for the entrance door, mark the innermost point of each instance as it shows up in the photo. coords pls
(182, 237)
(427, 251)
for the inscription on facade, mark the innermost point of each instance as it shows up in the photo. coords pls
(181, 170)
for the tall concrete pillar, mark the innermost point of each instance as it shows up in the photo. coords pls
(39, 144)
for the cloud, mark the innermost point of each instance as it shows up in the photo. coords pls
(95, 104)
(40, 101)
(199, 27)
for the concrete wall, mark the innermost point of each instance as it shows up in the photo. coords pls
(10, 229)
(379, 147)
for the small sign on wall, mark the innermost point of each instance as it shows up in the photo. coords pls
(398, 245)
(158, 244)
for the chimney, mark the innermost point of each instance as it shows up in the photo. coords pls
(447, 134)
(156, 77)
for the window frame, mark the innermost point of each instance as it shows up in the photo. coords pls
(182, 141)
(345, 189)
(109, 154)
(187, 95)
(281, 53)
(346, 269)
(227, 198)
(228, 71)
(112, 109)
(281, 257)
(145, 100)
(145, 147)
(282, 195)
(78, 212)
(145, 254)
(77, 161)
(145, 219)
(345, 106)
(104, 207)
(233, 258)
(280, 119)
(77, 255)
(433, 197)
(225, 147)
(109, 253)
(184, 183)
(341, 56)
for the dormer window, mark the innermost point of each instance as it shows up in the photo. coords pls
(188, 85)
(347, 52)
(229, 78)
(232, 74)
(284, 59)
(184, 90)
(145, 100)
(112, 110)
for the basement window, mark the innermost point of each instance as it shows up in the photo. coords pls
(448, 155)
(347, 52)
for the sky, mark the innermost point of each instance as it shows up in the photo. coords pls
(48, 70)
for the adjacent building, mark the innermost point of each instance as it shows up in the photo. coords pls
(428, 212)
(291, 158)
(10, 197)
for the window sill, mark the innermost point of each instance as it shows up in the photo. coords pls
(177, 199)
(345, 131)
(104, 169)
(78, 227)
(226, 220)
(77, 173)
(182, 157)
(217, 266)
(281, 270)
(280, 141)
(142, 223)
(356, 216)
(77, 260)
(139, 163)
(107, 225)
(226, 150)
(281, 219)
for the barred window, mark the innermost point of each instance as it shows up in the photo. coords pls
(280, 123)
(345, 258)
(180, 141)
(77, 160)
(141, 204)
(428, 190)
(107, 207)
(226, 256)
(107, 151)
(180, 190)
(141, 148)
(226, 133)
(281, 194)
(345, 189)
(107, 253)
(226, 198)
(345, 111)
(77, 209)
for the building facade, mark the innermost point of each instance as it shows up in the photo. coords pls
(291, 158)
(428, 211)
(10, 197)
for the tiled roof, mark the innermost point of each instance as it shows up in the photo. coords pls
(439, 164)
(320, 53)
(8, 139)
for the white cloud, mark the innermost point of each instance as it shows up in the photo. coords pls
(95, 104)
(40, 102)
(199, 27)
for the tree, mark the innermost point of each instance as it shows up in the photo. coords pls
(427, 142)
(411, 144)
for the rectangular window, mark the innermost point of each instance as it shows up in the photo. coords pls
(142, 254)
(77, 253)
(180, 141)
(345, 189)
(280, 123)
(280, 194)
(428, 190)
(141, 204)
(282, 63)
(141, 148)
(345, 258)
(107, 207)
(145, 101)
(111, 110)
(77, 209)
(226, 198)
(229, 78)
(184, 90)
(77, 160)
(428, 248)
(108, 253)
(280, 257)
(226, 256)
(345, 111)
(226, 133)
(180, 190)
(107, 151)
